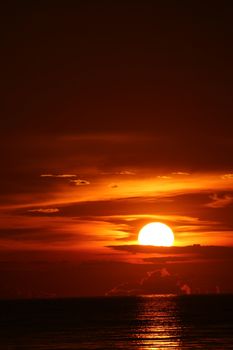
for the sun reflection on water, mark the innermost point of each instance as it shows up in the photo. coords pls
(158, 324)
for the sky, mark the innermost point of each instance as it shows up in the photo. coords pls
(114, 115)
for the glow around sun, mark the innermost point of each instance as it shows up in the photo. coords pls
(156, 234)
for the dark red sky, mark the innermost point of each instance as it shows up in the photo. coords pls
(115, 115)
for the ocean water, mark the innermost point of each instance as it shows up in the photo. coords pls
(156, 322)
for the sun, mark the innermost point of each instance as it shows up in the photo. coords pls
(156, 234)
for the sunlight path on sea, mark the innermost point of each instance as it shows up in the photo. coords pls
(157, 323)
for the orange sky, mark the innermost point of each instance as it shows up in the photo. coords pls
(114, 116)
(101, 208)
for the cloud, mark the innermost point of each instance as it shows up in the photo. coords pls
(80, 182)
(59, 175)
(126, 172)
(228, 176)
(164, 272)
(113, 186)
(159, 281)
(122, 172)
(186, 289)
(181, 173)
(165, 177)
(220, 202)
(45, 211)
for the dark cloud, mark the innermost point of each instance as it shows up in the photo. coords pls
(113, 186)
(167, 253)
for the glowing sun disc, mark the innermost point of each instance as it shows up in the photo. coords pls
(156, 234)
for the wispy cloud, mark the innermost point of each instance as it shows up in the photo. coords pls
(170, 218)
(227, 176)
(44, 210)
(59, 175)
(220, 201)
(80, 182)
(165, 177)
(121, 172)
(176, 173)
(181, 173)
(127, 172)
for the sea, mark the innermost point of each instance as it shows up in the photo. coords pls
(139, 323)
